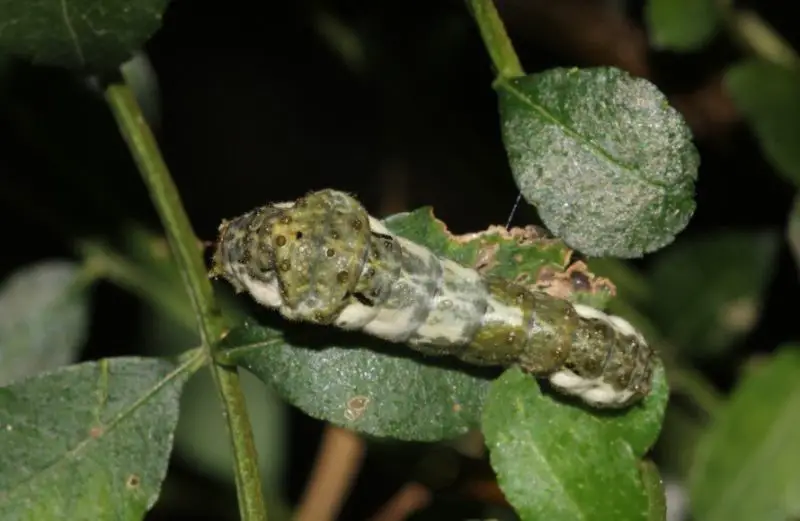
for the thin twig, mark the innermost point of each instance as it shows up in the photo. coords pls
(759, 38)
(338, 462)
(409, 499)
(495, 39)
(121, 271)
(168, 204)
(183, 242)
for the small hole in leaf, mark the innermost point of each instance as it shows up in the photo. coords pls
(133, 481)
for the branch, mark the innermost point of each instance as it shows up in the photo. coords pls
(495, 39)
(409, 499)
(759, 38)
(337, 465)
(182, 240)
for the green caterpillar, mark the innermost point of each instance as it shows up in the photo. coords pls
(323, 259)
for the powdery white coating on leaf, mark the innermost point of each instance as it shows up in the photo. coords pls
(368, 390)
(609, 165)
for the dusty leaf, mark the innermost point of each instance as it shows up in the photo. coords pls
(607, 162)
(89, 441)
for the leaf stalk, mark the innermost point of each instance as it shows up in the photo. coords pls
(495, 39)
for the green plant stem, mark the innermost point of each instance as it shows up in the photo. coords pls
(495, 39)
(756, 36)
(183, 242)
(168, 204)
(117, 269)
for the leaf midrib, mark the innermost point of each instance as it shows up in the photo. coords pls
(108, 428)
(580, 138)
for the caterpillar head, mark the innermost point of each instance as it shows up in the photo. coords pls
(302, 257)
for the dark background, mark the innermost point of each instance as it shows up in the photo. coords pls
(258, 106)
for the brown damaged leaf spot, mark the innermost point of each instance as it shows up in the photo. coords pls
(528, 236)
(523, 236)
(133, 481)
(560, 283)
(96, 431)
(485, 260)
(356, 407)
(575, 279)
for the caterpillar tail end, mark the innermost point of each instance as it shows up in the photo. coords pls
(616, 377)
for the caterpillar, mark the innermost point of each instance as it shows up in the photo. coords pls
(323, 259)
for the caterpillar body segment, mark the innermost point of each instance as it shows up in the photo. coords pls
(323, 259)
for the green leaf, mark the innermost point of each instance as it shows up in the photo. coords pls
(733, 268)
(44, 318)
(632, 286)
(388, 390)
(89, 441)
(768, 96)
(560, 462)
(528, 256)
(200, 438)
(78, 34)
(608, 164)
(369, 389)
(654, 488)
(747, 465)
(681, 25)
